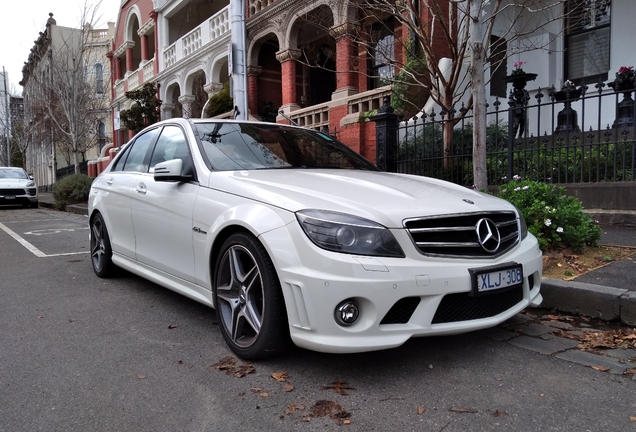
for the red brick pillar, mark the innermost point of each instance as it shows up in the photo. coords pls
(345, 61)
(252, 88)
(288, 58)
(129, 59)
(144, 47)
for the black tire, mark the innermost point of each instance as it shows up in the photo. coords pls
(35, 204)
(101, 252)
(249, 300)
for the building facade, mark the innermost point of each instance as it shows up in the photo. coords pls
(325, 63)
(51, 65)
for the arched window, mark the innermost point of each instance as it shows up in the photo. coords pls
(99, 78)
(101, 135)
(383, 54)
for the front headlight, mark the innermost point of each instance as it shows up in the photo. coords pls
(30, 184)
(344, 233)
(523, 228)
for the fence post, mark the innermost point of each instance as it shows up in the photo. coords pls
(386, 124)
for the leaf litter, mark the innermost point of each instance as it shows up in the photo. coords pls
(228, 364)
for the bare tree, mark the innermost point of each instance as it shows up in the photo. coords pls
(75, 105)
(447, 50)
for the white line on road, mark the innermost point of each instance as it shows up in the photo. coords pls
(35, 251)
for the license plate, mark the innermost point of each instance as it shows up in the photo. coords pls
(9, 197)
(488, 279)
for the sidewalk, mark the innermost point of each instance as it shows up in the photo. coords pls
(608, 293)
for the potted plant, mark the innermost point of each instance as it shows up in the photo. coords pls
(519, 77)
(625, 79)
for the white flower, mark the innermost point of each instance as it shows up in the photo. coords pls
(560, 229)
(517, 189)
(504, 191)
(504, 178)
(547, 222)
(516, 177)
(525, 187)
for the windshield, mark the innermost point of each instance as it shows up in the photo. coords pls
(249, 146)
(13, 174)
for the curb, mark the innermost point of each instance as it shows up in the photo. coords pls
(595, 301)
(71, 208)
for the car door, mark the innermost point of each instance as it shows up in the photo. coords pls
(118, 185)
(162, 210)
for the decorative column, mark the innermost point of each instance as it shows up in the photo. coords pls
(288, 58)
(166, 110)
(386, 125)
(625, 82)
(212, 88)
(518, 100)
(129, 57)
(186, 103)
(345, 75)
(252, 87)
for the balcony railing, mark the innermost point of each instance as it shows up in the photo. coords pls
(367, 101)
(119, 89)
(210, 31)
(149, 70)
(315, 117)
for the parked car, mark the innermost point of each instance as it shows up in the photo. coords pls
(292, 236)
(16, 187)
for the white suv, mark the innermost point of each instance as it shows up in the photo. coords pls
(16, 187)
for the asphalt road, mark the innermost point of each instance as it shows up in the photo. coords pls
(79, 353)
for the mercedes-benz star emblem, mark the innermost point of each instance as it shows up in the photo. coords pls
(488, 235)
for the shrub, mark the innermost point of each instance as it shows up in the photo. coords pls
(553, 217)
(71, 189)
(220, 103)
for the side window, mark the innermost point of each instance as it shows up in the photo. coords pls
(172, 144)
(119, 163)
(135, 161)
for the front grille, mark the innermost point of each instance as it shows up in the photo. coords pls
(13, 191)
(401, 311)
(456, 235)
(462, 307)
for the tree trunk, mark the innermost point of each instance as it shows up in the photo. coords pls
(480, 174)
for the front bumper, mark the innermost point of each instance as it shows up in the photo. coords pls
(398, 298)
(18, 196)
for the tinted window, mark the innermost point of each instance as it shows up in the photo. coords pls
(136, 157)
(245, 146)
(171, 144)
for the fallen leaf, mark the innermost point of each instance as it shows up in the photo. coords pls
(463, 410)
(541, 394)
(334, 410)
(288, 387)
(499, 378)
(172, 326)
(264, 394)
(140, 377)
(347, 421)
(601, 368)
(256, 389)
(180, 361)
(629, 372)
(243, 370)
(224, 364)
(421, 410)
(632, 418)
(293, 407)
(280, 376)
(498, 413)
(339, 387)
(559, 265)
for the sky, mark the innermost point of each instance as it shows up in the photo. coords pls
(21, 21)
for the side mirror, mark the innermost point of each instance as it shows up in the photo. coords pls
(170, 171)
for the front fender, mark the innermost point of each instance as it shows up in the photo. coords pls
(214, 215)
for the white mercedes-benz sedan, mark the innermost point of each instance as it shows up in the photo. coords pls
(293, 237)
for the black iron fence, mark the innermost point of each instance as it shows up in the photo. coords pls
(569, 136)
(69, 170)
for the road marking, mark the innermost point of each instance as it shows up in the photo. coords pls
(53, 231)
(35, 251)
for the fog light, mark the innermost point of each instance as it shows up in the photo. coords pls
(347, 312)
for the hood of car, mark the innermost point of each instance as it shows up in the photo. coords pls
(382, 197)
(13, 182)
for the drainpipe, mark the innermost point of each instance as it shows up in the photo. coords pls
(238, 59)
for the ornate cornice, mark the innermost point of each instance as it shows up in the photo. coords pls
(150, 24)
(343, 30)
(254, 70)
(288, 54)
(123, 47)
(213, 88)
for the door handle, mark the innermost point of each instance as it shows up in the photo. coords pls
(141, 189)
(109, 181)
